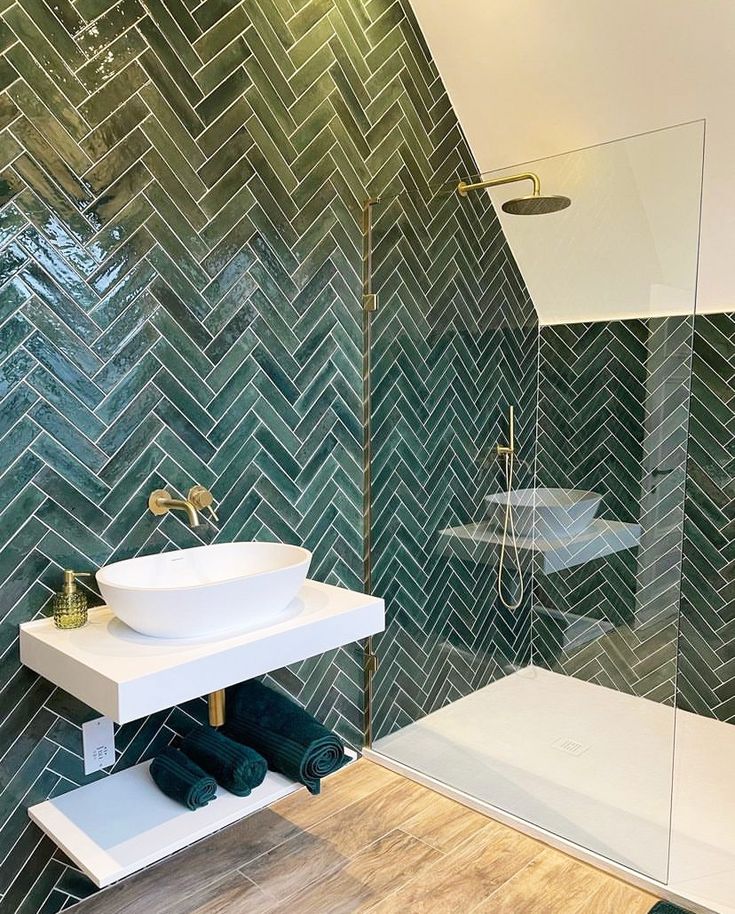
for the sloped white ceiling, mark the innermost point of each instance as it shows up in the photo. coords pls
(532, 79)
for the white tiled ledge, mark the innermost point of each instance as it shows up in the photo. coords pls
(125, 675)
(471, 542)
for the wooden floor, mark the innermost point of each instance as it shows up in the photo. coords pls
(372, 842)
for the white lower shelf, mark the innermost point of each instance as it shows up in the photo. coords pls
(123, 823)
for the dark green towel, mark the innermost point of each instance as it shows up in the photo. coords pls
(235, 767)
(666, 907)
(181, 779)
(292, 741)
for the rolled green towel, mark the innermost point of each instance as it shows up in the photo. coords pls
(181, 779)
(235, 767)
(292, 741)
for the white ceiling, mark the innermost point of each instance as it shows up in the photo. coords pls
(531, 79)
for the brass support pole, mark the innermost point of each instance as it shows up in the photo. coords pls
(216, 703)
(369, 307)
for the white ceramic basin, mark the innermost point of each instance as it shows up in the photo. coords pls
(207, 590)
(558, 513)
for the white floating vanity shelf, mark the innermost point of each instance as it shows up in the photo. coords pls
(125, 675)
(114, 827)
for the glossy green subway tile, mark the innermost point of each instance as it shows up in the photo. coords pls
(183, 347)
(92, 39)
(169, 90)
(117, 196)
(221, 33)
(176, 159)
(134, 383)
(136, 444)
(49, 225)
(67, 434)
(70, 339)
(126, 357)
(64, 294)
(185, 373)
(117, 161)
(8, 111)
(230, 304)
(226, 187)
(61, 367)
(181, 327)
(49, 127)
(220, 98)
(221, 66)
(114, 128)
(122, 261)
(74, 502)
(51, 389)
(174, 187)
(53, 197)
(67, 465)
(174, 54)
(212, 140)
(214, 280)
(49, 57)
(228, 217)
(188, 434)
(115, 304)
(228, 270)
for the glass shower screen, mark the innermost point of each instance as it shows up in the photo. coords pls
(560, 712)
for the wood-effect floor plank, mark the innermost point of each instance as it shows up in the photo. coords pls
(551, 882)
(161, 888)
(615, 897)
(357, 781)
(232, 895)
(443, 823)
(465, 876)
(389, 862)
(329, 843)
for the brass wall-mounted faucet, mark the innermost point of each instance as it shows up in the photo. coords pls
(160, 501)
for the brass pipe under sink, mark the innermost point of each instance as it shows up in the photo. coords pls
(216, 704)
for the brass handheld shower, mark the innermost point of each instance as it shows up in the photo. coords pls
(534, 204)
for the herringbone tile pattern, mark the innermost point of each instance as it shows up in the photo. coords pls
(613, 416)
(179, 301)
(707, 646)
(455, 342)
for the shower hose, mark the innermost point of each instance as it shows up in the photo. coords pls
(509, 528)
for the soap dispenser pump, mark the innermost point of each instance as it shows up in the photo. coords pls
(70, 604)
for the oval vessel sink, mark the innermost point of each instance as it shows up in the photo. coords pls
(205, 591)
(559, 513)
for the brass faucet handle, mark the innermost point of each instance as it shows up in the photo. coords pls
(202, 498)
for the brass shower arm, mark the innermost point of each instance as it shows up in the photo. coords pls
(463, 188)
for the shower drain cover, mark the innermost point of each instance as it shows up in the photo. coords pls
(570, 746)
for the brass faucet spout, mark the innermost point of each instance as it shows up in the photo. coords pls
(181, 504)
(160, 501)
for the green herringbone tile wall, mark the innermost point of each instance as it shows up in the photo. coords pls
(180, 274)
(455, 343)
(613, 418)
(707, 642)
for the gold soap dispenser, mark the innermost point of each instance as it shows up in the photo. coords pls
(70, 604)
